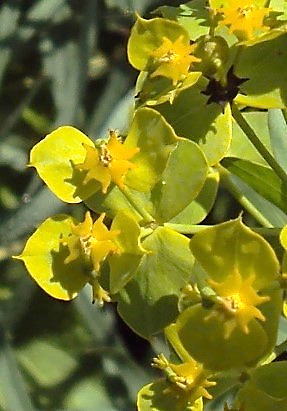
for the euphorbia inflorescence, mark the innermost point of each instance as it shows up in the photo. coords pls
(173, 59)
(243, 17)
(107, 162)
(216, 296)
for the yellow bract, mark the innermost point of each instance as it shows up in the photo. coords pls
(243, 17)
(107, 163)
(237, 302)
(173, 59)
(93, 239)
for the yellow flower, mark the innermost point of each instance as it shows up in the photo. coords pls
(107, 163)
(243, 17)
(92, 239)
(237, 302)
(190, 376)
(173, 59)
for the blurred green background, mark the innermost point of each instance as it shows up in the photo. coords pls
(63, 62)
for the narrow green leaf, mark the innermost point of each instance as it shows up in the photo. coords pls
(272, 214)
(241, 147)
(29, 215)
(38, 16)
(12, 386)
(112, 103)
(67, 65)
(262, 179)
(278, 136)
(9, 15)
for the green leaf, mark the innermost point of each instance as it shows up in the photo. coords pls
(146, 36)
(262, 179)
(181, 181)
(155, 139)
(198, 209)
(54, 158)
(161, 396)
(265, 390)
(278, 136)
(206, 124)
(44, 257)
(149, 301)
(193, 16)
(113, 108)
(265, 67)
(88, 393)
(38, 358)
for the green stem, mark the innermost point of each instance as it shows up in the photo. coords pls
(232, 188)
(193, 229)
(245, 127)
(147, 218)
(186, 228)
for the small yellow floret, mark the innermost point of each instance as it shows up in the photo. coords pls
(190, 377)
(173, 59)
(108, 163)
(238, 301)
(243, 17)
(92, 239)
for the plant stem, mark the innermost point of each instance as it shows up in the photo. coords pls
(245, 127)
(186, 228)
(193, 229)
(228, 183)
(147, 218)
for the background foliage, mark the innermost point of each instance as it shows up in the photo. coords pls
(63, 62)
